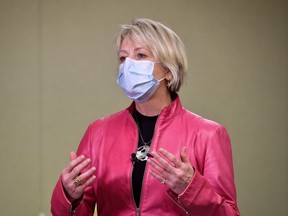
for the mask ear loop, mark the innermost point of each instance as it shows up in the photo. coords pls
(161, 79)
(166, 69)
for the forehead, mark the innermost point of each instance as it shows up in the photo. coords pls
(130, 42)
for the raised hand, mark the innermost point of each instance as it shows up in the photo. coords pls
(168, 169)
(73, 177)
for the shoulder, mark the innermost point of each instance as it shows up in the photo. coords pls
(194, 119)
(203, 127)
(199, 121)
(117, 117)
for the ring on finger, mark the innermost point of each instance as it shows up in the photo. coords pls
(164, 181)
(77, 181)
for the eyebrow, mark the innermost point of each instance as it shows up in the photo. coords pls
(136, 49)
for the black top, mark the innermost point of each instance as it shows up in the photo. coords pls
(146, 125)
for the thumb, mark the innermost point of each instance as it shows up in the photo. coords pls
(183, 155)
(73, 156)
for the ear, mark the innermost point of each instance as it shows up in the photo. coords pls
(168, 75)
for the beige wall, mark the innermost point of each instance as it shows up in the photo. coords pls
(58, 72)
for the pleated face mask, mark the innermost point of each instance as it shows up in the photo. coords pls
(137, 80)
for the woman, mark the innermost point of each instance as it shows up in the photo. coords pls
(155, 157)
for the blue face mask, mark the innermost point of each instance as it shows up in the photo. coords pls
(137, 80)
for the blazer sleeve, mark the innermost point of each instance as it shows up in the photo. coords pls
(211, 191)
(60, 205)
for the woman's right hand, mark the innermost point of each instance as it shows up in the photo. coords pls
(73, 178)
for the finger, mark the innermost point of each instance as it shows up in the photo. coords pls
(72, 164)
(87, 175)
(73, 156)
(183, 155)
(160, 178)
(83, 178)
(159, 169)
(87, 183)
(162, 162)
(80, 167)
(170, 157)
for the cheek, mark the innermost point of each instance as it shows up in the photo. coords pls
(159, 72)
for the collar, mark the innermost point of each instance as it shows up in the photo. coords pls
(170, 111)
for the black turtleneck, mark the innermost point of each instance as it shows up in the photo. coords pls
(146, 125)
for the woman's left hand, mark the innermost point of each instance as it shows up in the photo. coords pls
(169, 170)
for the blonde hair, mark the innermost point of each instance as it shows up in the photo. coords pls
(164, 44)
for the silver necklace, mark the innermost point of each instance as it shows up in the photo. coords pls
(143, 151)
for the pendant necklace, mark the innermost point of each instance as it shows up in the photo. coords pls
(142, 151)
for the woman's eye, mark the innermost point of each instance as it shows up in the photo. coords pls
(122, 58)
(141, 56)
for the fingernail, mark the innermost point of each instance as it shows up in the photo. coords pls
(149, 155)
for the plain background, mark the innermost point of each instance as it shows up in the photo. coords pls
(58, 73)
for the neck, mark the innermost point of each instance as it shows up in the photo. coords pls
(154, 105)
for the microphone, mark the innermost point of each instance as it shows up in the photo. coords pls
(134, 158)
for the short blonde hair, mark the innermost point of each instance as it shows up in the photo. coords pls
(164, 44)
